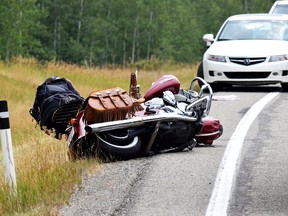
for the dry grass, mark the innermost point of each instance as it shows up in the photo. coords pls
(45, 176)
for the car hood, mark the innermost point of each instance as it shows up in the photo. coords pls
(251, 48)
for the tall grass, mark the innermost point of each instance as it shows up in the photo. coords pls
(45, 176)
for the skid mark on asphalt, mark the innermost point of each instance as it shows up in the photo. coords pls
(219, 200)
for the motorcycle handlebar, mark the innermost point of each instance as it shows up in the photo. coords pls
(204, 86)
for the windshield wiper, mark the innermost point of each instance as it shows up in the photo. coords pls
(223, 39)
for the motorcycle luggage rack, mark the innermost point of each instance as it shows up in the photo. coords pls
(60, 119)
(63, 114)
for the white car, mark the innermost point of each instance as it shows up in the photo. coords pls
(249, 49)
(279, 7)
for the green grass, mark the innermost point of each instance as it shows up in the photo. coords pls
(45, 176)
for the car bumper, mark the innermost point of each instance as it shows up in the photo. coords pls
(231, 73)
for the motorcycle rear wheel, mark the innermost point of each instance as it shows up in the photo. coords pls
(119, 145)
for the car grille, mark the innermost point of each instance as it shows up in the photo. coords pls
(247, 61)
(247, 75)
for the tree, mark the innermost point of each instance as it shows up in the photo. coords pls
(18, 22)
(114, 32)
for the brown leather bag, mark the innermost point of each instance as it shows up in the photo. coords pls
(109, 105)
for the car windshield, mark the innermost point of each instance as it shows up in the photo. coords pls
(254, 30)
(280, 9)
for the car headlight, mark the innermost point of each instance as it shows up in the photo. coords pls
(216, 58)
(278, 58)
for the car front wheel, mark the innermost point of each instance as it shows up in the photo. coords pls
(284, 87)
(200, 73)
(216, 86)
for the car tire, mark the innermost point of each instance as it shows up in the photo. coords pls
(216, 86)
(200, 73)
(284, 87)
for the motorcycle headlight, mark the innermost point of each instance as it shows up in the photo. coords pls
(216, 58)
(276, 58)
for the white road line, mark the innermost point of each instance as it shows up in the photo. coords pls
(219, 200)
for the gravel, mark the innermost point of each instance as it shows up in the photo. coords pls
(105, 192)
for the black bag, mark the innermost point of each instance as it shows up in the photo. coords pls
(56, 102)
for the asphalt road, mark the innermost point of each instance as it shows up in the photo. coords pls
(182, 183)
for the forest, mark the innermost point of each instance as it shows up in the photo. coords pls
(114, 32)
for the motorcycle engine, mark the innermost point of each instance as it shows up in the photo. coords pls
(176, 134)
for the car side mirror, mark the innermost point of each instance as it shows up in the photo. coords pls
(209, 39)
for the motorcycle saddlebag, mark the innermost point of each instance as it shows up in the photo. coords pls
(212, 129)
(109, 105)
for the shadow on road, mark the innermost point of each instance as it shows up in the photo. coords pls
(264, 88)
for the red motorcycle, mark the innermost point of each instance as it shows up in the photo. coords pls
(115, 124)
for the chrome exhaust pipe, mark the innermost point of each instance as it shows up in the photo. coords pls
(136, 121)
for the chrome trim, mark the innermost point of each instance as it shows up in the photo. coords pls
(208, 134)
(205, 87)
(126, 147)
(136, 121)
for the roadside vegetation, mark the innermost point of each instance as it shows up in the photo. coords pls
(107, 32)
(45, 175)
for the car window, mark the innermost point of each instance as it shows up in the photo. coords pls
(280, 9)
(254, 30)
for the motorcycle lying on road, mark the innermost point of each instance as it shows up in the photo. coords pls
(115, 124)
